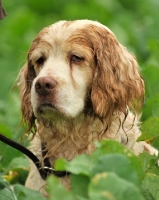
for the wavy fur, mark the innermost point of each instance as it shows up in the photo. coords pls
(79, 85)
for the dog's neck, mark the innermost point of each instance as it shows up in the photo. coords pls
(72, 137)
(69, 138)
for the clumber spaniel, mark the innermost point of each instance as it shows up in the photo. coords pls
(79, 85)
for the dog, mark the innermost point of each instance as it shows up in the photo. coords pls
(79, 85)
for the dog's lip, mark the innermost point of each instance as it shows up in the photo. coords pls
(45, 105)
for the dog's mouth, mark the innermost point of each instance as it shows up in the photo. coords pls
(46, 108)
(48, 112)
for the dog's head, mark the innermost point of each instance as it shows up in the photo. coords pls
(78, 67)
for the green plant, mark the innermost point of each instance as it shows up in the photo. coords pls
(135, 25)
(111, 172)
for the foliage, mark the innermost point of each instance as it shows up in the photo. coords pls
(111, 172)
(111, 166)
(17, 192)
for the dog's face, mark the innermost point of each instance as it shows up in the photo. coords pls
(63, 67)
(75, 67)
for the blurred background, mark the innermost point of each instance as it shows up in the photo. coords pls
(135, 23)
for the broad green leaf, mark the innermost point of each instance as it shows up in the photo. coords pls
(151, 186)
(155, 142)
(18, 175)
(150, 163)
(17, 192)
(8, 154)
(60, 164)
(4, 129)
(155, 108)
(147, 108)
(79, 186)
(154, 47)
(17, 170)
(57, 191)
(108, 186)
(113, 147)
(83, 164)
(154, 169)
(79, 165)
(151, 72)
(119, 164)
(23, 193)
(150, 129)
(6, 192)
(145, 160)
(18, 163)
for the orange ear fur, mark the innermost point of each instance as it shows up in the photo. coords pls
(117, 83)
(25, 79)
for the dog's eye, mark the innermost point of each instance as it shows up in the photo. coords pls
(40, 61)
(76, 59)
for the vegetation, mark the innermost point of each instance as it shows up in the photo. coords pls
(112, 172)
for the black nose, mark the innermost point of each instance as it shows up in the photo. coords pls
(45, 85)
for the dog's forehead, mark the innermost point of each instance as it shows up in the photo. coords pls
(62, 30)
(77, 24)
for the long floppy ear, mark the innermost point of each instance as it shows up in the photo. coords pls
(117, 83)
(25, 80)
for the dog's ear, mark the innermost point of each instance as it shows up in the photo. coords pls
(117, 83)
(25, 79)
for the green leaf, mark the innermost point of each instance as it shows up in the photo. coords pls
(18, 163)
(79, 186)
(57, 191)
(150, 129)
(60, 164)
(155, 108)
(18, 175)
(17, 170)
(79, 165)
(17, 192)
(154, 47)
(4, 129)
(150, 186)
(155, 142)
(108, 186)
(6, 192)
(152, 86)
(147, 108)
(83, 164)
(146, 160)
(112, 147)
(8, 154)
(150, 163)
(23, 193)
(119, 164)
